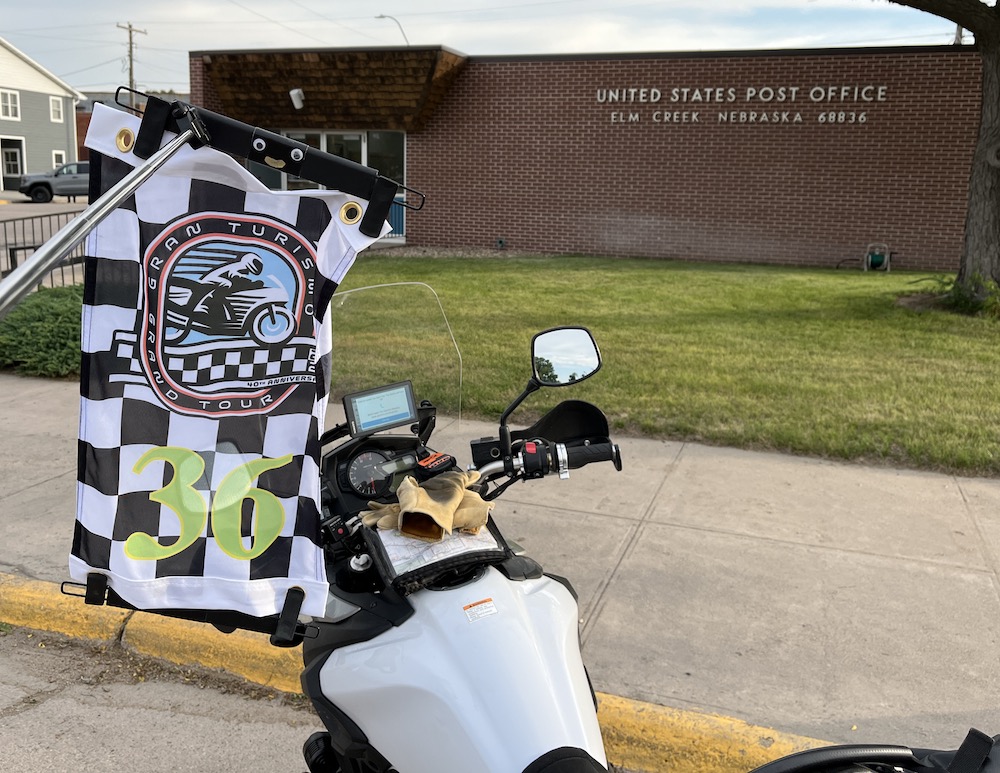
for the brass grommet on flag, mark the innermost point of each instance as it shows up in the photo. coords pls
(125, 140)
(351, 213)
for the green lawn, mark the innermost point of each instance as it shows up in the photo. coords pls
(818, 362)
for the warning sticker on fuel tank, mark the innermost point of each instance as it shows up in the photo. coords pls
(477, 610)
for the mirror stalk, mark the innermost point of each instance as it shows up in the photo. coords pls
(505, 446)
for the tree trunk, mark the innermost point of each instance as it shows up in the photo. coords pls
(981, 252)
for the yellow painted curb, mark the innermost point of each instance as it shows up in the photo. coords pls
(646, 737)
(40, 605)
(244, 653)
(641, 737)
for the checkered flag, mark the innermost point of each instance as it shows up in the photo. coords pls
(205, 376)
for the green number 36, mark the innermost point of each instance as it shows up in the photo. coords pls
(227, 511)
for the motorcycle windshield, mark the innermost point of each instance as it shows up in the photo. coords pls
(383, 334)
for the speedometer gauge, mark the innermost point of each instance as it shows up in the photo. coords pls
(367, 474)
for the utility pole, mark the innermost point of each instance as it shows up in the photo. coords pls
(131, 60)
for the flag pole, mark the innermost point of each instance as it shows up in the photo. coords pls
(22, 279)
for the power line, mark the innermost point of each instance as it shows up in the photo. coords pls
(332, 20)
(92, 67)
(275, 21)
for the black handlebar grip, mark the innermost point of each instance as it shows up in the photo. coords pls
(578, 456)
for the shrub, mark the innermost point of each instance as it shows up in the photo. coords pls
(41, 336)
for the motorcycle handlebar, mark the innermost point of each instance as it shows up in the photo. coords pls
(545, 457)
(578, 456)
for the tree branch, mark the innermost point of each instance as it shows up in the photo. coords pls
(973, 15)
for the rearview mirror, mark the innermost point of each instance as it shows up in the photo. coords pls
(564, 355)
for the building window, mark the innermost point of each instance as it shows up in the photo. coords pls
(58, 158)
(382, 150)
(386, 152)
(56, 109)
(349, 145)
(10, 105)
(11, 162)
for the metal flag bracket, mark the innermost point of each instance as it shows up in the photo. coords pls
(199, 127)
(273, 150)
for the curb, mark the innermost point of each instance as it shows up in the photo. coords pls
(647, 738)
(641, 737)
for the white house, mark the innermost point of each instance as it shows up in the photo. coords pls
(37, 117)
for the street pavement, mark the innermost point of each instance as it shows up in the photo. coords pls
(845, 602)
(68, 706)
(15, 205)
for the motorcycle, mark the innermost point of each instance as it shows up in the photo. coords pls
(258, 312)
(468, 660)
(975, 755)
(459, 653)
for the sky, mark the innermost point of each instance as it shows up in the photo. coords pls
(82, 43)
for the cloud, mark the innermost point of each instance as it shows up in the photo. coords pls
(82, 43)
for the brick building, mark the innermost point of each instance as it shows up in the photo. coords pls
(793, 157)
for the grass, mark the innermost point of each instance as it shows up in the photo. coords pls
(814, 362)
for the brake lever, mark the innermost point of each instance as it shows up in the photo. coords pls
(491, 495)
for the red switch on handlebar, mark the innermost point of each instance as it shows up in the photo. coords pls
(536, 459)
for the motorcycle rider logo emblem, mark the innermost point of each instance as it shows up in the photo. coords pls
(228, 328)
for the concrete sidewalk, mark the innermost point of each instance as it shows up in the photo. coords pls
(834, 601)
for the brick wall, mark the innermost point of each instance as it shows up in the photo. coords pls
(531, 151)
(203, 93)
(82, 125)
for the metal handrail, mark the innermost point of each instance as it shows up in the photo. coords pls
(21, 236)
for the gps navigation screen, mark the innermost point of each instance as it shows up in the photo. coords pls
(380, 408)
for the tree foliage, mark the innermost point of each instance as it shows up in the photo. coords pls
(546, 371)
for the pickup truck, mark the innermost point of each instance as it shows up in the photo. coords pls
(66, 180)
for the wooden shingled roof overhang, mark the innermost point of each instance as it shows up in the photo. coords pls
(375, 88)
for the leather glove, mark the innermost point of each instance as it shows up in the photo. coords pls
(428, 510)
(381, 515)
(472, 512)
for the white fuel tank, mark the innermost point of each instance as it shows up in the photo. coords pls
(485, 677)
